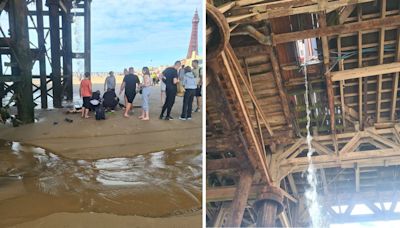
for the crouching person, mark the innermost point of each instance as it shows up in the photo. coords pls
(110, 100)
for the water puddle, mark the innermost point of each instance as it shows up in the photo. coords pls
(35, 183)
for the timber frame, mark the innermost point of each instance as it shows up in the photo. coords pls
(256, 108)
(40, 33)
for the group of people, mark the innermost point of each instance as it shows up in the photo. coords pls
(189, 78)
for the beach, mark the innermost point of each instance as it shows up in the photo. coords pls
(92, 140)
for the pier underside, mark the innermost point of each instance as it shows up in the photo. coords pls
(256, 110)
(40, 42)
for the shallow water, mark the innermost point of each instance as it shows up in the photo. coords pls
(35, 183)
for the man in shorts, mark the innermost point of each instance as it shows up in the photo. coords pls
(198, 75)
(129, 84)
(85, 91)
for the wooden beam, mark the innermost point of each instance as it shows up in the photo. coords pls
(370, 158)
(366, 71)
(239, 70)
(222, 164)
(255, 111)
(336, 30)
(360, 86)
(282, 93)
(395, 79)
(329, 87)
(240, 198)
(380, 61)
(225, 7)
(226, 193)
(292, 149)
(346, 13)
(349, 147)
(262, 165)
(341, 83)
(292, 184)
(283, 8)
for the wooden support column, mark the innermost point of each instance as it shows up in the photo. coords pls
(67, 52)
(55, 51)
(20, 35)
(42, 54)
(268, 206)
(87, 35)
(380, 61)
(329, 86)
(239, 202)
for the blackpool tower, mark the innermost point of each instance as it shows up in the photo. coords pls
(193, 45)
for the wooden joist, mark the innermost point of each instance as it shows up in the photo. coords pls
(366, 71)
(220, 164)
(218, 194)
(283, 8)
(336, 30)
(379, 157)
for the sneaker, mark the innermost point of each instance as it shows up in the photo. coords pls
(182, 118)
(161, 117)
(197, 110)
(168, 118)
(189, 118)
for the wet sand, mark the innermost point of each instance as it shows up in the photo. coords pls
(92, 140)
(84, 220)
(158, 184)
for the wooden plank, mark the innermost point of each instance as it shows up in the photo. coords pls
(225, 7)
(329, 88)
(366, 71)
(266, 13)
(239, 70)
(395, 79)
(240, 198)
(336, 30)
(349, 147)
(380, 61)
(370, 158)
(341, 67)
(263, 165)
(226, 193)
(282, 93)
(292, 184)
(223, 164)
(346, 13)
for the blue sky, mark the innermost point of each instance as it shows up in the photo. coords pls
(141, 33)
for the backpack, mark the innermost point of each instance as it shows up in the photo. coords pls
(100, 113)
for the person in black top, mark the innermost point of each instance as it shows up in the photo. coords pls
(110, 100)
(129, 84)
(170, 78)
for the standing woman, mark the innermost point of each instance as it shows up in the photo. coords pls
(145, 94)
(85, 91)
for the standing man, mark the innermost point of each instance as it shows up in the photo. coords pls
(109, 83)
(199, 79)
(129, 84)
(85, 91)
(170, 78)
